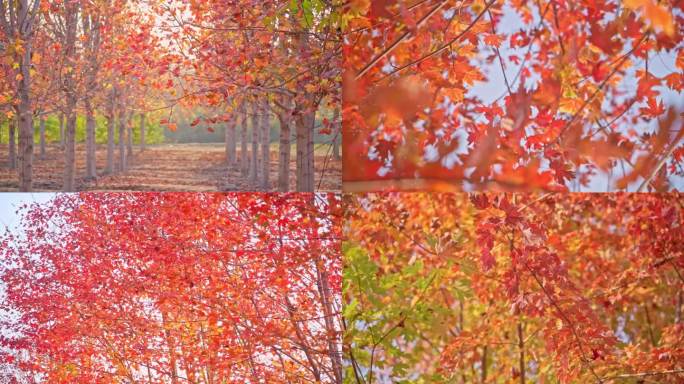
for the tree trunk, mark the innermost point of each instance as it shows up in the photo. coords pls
(305, 153)
(12, 142)
(301, 340)
(91, 168)
(253, 166)
(142, 132)
(91, 45)
(244, 158)
(483, 365)
(129, 140)
(71, 24)
(171, 345)
(122, 139)
(284, 148)
(305, 121)
(521, 351)
(265, 146)
(61, 131)
(25, 112)
(70, 150)
(336, 148)
(327, 302)
(42, 137)
(111, 124)
(230, 141)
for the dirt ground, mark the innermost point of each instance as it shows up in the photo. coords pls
(166, 167)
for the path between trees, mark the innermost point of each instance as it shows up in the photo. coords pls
(166, 167)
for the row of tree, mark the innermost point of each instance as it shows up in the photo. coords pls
(70, 58)
(122, 58)
(280, 60)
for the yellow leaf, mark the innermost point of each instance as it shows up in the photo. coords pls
(569, 105)
(658, 15)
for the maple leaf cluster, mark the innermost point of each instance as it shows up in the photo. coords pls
(568, 288)
(511, 95)
(168, 288)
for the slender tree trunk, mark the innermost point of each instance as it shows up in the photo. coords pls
(336, 148)
(244, 157)
(25, 112)
(310, 172)
(301, 339)
(326, 300)
(230, 141)
(189, 370)
(91, 45)
(91, 168)
(122, 139)
(521, 349)
(483, 365)
(129, 139)
(265, 146)
(305, 153)
(171, 345)
(301, 153)
(42, 137)
(71, 24)
(61, 131)
(305, 125)
(70, 150)
(19, 27)
(149, 372)
(12, 142)
(284, 148)
(253, 166)
(142, 132)
(111, 124)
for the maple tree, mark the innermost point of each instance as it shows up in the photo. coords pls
(513, 95)
(233, 63)
(495, 287)
(62, 58)
(174, 288)
(250, 63)
(18, 24)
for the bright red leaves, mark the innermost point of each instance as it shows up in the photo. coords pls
(176, 287)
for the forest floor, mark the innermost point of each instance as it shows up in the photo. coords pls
(165, 167)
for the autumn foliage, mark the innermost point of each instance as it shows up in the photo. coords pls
(513, 95)
(232, 65)
(503, 288)
(174, 288)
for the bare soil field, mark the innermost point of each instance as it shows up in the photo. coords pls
(165, 167)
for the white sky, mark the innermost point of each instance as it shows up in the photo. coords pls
(10, 203)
